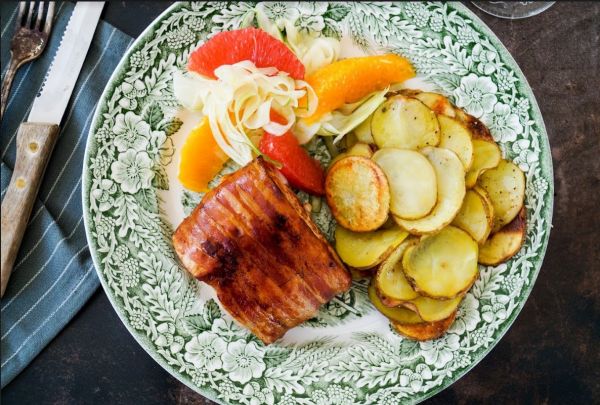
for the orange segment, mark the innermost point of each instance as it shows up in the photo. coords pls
(201, 158)
(349, 80)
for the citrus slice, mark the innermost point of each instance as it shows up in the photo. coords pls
(253, 44)
(349, 80)
(201, 158)
(298, 167)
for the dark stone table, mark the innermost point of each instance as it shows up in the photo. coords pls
(552, 352)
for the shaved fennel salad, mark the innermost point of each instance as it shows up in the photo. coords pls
(254, 85)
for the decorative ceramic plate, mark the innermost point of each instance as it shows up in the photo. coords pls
(347, 354)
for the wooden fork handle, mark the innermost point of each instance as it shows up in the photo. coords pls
(34, 147)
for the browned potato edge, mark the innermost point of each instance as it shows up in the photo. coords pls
(424, 331)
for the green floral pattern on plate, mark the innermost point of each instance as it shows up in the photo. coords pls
(347, 354)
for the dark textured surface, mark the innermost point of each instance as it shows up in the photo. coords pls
(552, 352)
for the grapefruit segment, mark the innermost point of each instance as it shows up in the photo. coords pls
(298, 167)
(253, 44)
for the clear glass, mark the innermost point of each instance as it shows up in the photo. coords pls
(513, 9)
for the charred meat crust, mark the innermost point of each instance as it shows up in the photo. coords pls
(254, 243)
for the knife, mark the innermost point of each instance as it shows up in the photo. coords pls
(37, 136)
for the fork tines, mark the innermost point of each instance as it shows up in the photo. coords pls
(29, 8)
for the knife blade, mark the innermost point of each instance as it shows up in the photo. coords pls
(37, 136)
(50, 104)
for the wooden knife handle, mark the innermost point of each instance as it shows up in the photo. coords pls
(34, 147)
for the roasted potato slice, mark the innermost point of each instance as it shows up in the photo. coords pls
(406, 123)
(363, 250)
(432, 310)
(462, 116)
(477, 128)
(457, 138)
(443, 265)
(390, 281)
(363, 131)
(336, 159)
(505, 186)
(505, 243)
(476, 216)
(425, 330)
(358, 149)
(398, 314)
(390, 302)
(429, 309)
(405, 92)
(412, 181)
(436, 102)
(358, 193)
(486, 155)
(450, 176)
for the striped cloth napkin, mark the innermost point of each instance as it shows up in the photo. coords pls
(53, 275)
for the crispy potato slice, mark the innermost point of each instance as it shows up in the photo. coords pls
(429, 309)
(406, 123)
(436, 102)
(505, 186)
(442, 266)
(450, 178)
(425, 330)
(486, 155)
(358, 149)
(405, 92)
(505, 243)
(477, 128)
(476, 216)
(363, 250)
(460, 115)
(337, 159)
(363, 131)
(358, 193)
(432, 310)
(390, 302)
(457, 138)
(412, 181)
(398, 314)
(390, 281)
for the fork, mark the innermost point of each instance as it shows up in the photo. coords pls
(28, 42)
